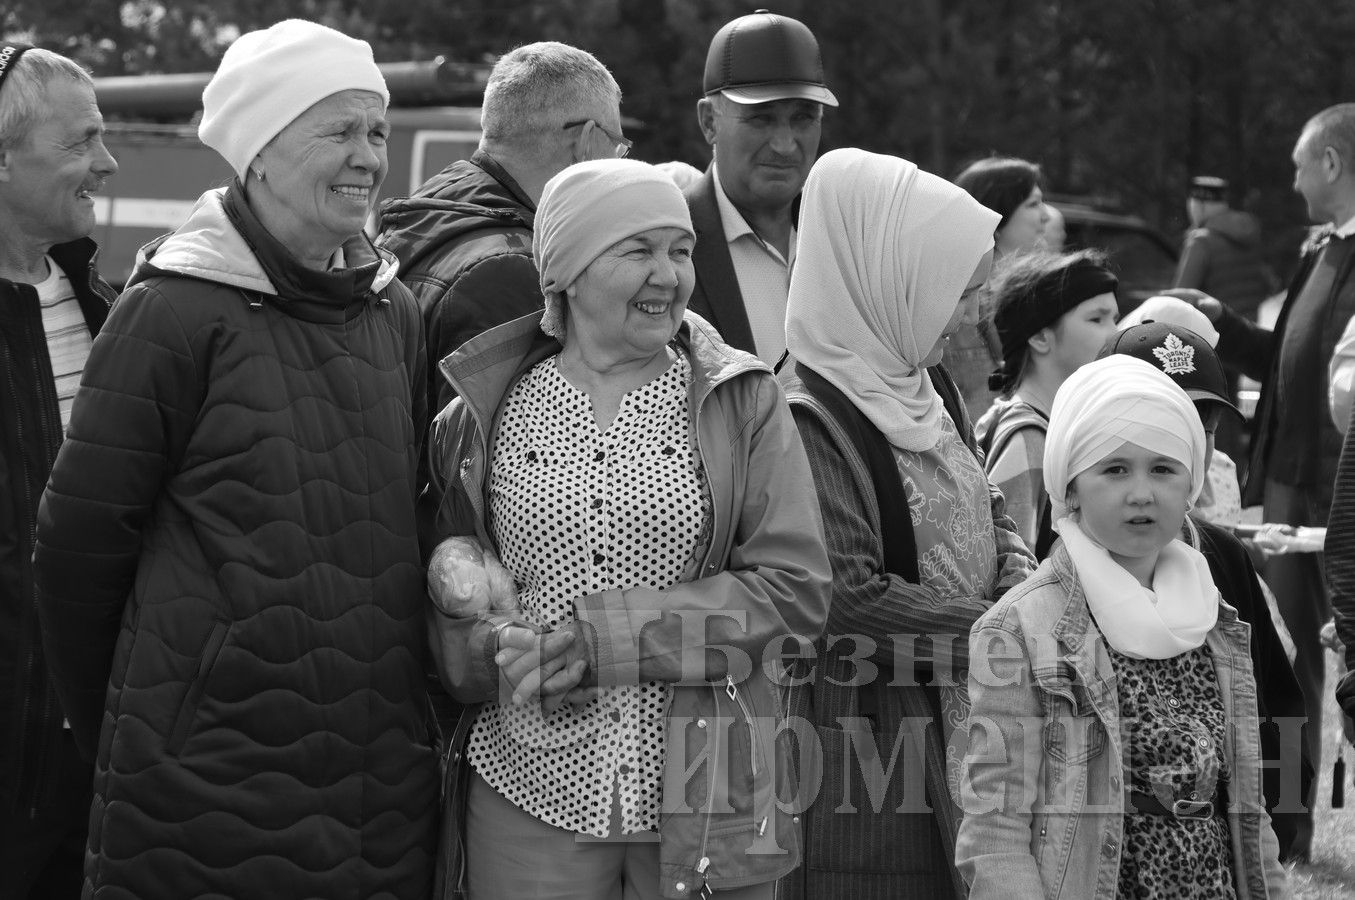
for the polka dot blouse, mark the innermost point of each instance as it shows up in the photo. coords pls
(577, 511)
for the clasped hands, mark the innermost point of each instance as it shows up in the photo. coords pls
(549, 667)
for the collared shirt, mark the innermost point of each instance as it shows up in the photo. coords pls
(764, 277)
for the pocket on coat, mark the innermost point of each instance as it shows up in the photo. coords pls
(188, 711)
(1073, 740)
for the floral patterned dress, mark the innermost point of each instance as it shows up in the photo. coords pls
(952, 514)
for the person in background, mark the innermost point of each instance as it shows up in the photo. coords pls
(917, 537)
(645, 486)
(464, 238)
(1113, 747)
(762, 115)
(1055, 229)
(1012, 189)
(227, 556)
(1295, 448)
(1223, 255)
(52, 304)
(1052, 314)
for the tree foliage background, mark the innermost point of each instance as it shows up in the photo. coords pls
(1119, 100)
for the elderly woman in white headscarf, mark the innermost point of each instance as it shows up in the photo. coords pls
(1114, 743)
(646, 488)
(228, 552)
(890, 262)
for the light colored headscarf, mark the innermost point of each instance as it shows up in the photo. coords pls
(590, 206)
(885, 251)
(1102, 406)
(1171, 311)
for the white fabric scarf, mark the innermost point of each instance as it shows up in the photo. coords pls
(1172, 618)
(884, 253)
(1101, 407)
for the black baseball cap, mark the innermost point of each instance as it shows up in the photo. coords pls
(1179, 353)
(762, 57)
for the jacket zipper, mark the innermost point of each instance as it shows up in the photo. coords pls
(714, 744)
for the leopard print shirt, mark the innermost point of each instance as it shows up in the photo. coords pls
(1172, 725)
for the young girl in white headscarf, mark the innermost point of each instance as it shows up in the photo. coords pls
(889, 263)
(1113, 735)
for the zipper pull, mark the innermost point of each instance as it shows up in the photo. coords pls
(730, 689)
(702, 866)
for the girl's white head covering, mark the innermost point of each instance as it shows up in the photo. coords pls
(1114, 401)
(1102, 406)
(885, 250)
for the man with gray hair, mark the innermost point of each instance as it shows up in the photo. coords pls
(1295, 446)
(52, 303)
(464, 239)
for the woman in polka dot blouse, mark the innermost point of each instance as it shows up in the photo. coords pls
(647, 489)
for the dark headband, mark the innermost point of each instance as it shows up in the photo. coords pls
(1039, 305)
(9, 55)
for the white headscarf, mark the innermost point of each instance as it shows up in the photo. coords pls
(885, 251)
(1101, 407)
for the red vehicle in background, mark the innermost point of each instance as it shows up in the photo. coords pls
(163, 168)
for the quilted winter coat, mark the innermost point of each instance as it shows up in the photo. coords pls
(230, 585)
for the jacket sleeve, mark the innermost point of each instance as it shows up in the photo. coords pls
(1339, 560)
(774, 585)
(462, 649)
(489, 292)
(1244, 345)
(867, 600)
(1015, 561)
(1194, 264)
(1001, 771)
(132, 418)
(1341, 378)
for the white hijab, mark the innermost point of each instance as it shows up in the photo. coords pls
(885, 251)
(1101, 407)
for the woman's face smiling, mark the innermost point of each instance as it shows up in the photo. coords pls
(628, 304)
(1133, 503)
(321, 173)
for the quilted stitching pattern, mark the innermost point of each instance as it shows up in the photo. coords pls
(265, 727)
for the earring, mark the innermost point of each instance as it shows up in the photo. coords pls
(256, 173)
(1190, 504)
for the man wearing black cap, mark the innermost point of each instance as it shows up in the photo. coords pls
(1222, 255)
(52, 303)
(762, 114)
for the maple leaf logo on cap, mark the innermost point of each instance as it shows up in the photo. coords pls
(1177, 358)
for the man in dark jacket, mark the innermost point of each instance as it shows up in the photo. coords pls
(1295, 446)
(464, 239)
(762, 115)
(52, 303)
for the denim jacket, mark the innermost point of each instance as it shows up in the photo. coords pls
(766, 577)
(1042, 793)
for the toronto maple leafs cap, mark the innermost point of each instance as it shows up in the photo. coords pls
(1178, 352)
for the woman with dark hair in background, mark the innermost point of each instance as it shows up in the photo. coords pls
(1011, 188)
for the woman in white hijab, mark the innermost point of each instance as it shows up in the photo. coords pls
(1114, 729)
(889, 262)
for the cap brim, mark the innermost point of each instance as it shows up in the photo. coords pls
(766, 93)
(1195, 394)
